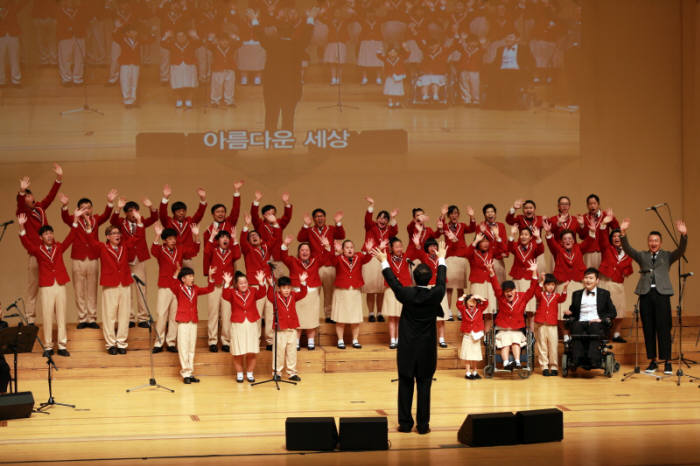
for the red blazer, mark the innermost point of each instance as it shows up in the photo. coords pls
(522, 222)
(182, 54)
(435, 62)
(136, 240)
(401, 269)
(243, 305)
(511, 315)
(498, 252)
(286, 307)
(472, 319)
(36, 217)
(229, 223)
(225, 59)
(313, 236)
(570, 224)
(377, 234)
(371, 30)
(395, 65)
(114, 264)
(224, 261)
(184, 231)
(460, 229)
(296, 267)
(478, 273)
(424, 236)
(337, 30)
(614, 265)
(470, 60)
(590, 221)
(82, 249)
(187, 299)
(431, 262)
(255, 258)
(521, 257)
(548, 306)
(130, 50)
(348, 274)
(71, 23)
(51, 267)
(569, 265)
(168, 261)
(271, 235)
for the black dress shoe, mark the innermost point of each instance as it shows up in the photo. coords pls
(132, 324)
(459, 316)
(268, 348)
(476, 376)
(143, 324)
(121, 350)
(651, 368)
(187, 380)
(82, 325)
(329, 320)
(404, 429)
(63, 352)
(546, 373)
(443, 344)
(372, 318)
(295, 378)
(619, 340)
(239, 380)
(172, 349)
(554, 372)
(341, 345)
(468, 376)
(251, 379)
(356, 345)
(225, 348)
(380, 318)
(423, 430)
(298, 347)
(451, 319)
(47, 353)
(310, 347)
(393, 346)
(213, 349)
(157, 349)
(194, 379)
(112, 350)
(93, 325)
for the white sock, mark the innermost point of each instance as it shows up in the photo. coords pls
(474, 373)
(340, 340)
(311, 342)
(442, 340)
(354, 340)
(249, 374)
(617, 334)
(393, 341)
(239, 375)
(567, 338)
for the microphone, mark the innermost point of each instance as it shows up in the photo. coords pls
(654, 207)
(138, 280)
(11, 315)
(9, 222)
(683, 275)
(14, 304)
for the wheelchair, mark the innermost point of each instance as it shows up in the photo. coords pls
(494, 359)
(607, 357)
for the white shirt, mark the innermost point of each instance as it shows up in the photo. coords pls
(589, 306)
(510, 58)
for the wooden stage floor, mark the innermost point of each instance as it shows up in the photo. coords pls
(640, 421)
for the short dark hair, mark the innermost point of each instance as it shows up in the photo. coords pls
(216, 206)
(429, 242)
(593, 196)
(591, 270)
(131, 205)
(416, 209)
(616, 230)
(567, 232)
(530, 201)
(451, 209)
(238, 275)
(110, 228)
(303, 243)
(251, 232)
(44, 229)
(550, 278)
(508, 285)
(28, 191)
(655, 233)
(284, 281)
(317, 210)
(167, 233)
(422, 275)
(393, 240)
(84, 200)
(184, 272)
(179, 205)
(487, 207)
(221, 234)
(563, 197)
(525, 229)
(383, 213)
(267, 207)
(346, 241)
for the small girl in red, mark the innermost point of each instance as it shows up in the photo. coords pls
(472, 308)
(394, 74)
(183, 65)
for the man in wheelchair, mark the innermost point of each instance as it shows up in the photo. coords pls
(589, 318)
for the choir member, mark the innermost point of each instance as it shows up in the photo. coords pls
(379, 231)
(180, 222)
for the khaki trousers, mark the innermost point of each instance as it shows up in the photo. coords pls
(32, 290)
(71, 65)
(327, 275)
(266, 311)
(115, 312)
(223, 84)
(547, 341)
(219, 311)
(53, 302)
(9, 51)
(186, 343)
(138, 268)
(85, 278)
(129, 82)
(166, 309)
(286, 350)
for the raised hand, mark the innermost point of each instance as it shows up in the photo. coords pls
(416, 239)
(419, 227)
(444, 209)
(288, 240)
(442, 249)
(514, 230)
(532, 266)
(338, 247)
(237, 185)
(307, 219)
(489, 267)
(147, 203)
(517, 204)
(22, 219)
(566, 285)
(546, 226)
(370, 201)
(479, 236)
(24, 184)
(325, 243)
(212, 271)
(137, 216)
(303, 276)
(383, 244)
(77, 213)
(369, 244)
(228, 278)
(536, 233)
(494, 232)
(260, 277)
(195, 229)
(378, 254)
(625, 225)
(248, 219)
(609, 215)
(581, 221)
(258, 195)
(202, 194)
(121, 202)
(63, 199)
(451, 236)
(470, 211)
(681, 227)
(58, 171)
(158, 229)
(112, 195)
(394, 213)
(338, 217)
(482, 228)
(285, 198)
(167, 191)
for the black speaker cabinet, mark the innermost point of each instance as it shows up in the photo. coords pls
(487, 430)
(540, 425)
(16, 405)
(364, 433)
(311, 433)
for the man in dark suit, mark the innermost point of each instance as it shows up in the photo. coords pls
(655, 291)
(417, 350)
(592, 312)
(282, 87)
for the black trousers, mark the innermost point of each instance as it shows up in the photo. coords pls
(587, 348)
(4, 374)
(406, 385)
(275, 106)
(655, 310)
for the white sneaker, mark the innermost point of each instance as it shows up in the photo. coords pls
(334, 81)
(188, 103)
(178, 104)
(244, 80)
(379, 80)
(436, 97)
(425, 97)
(257, 81)
(364, 81)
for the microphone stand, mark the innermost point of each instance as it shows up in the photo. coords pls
(86, 106)
(339, 104)
(4, 229)
(276, 378)
(152, 381)
(636, 371)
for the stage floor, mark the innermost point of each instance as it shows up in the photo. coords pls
(640, 421)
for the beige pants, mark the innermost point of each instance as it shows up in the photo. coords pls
(265, 309)
(115, 312)
(85, 277)
(547, 340)
(327, 275)
(138, 268)
(129, 82)
(286, 350)
(9, 52)
(592, 259)
(223, 84)
(115, 53)
(219, 311)
(186, 343)
(71, 66)
(53, 302)
(166, 309)
(45, 29)
(469, 87)
(32, 290)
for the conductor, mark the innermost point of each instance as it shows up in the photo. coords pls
(417, 349)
